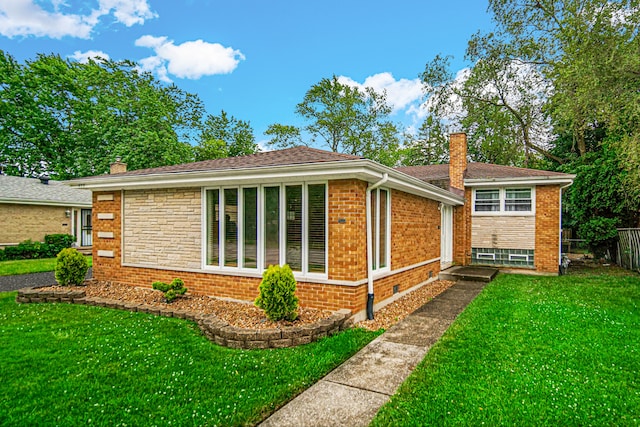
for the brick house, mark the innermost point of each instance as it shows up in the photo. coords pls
(32, 208)
(349, 227)
(511, 217)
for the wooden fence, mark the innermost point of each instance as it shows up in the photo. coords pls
(629, 248)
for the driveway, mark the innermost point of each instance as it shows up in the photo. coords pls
(12, 283)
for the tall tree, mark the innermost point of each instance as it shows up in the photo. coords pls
(428, 146)
(69, 119)
(224, 136)
(498, 102)
(346, 120)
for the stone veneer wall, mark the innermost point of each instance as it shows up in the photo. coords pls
(163, 228)
(22, 222)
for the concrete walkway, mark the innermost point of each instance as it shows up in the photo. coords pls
(352, 393)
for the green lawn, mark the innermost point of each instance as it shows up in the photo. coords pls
(533, 351)
(9, 268)
(71, 365)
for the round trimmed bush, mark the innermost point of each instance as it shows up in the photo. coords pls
(277, 294)
(71, 267)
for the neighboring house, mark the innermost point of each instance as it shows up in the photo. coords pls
(218, 224)
(31, 208)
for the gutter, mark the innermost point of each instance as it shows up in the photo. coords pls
(385, 178)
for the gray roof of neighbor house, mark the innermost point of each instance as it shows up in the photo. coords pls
(439, 174)
(14, 189)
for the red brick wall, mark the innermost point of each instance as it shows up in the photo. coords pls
(415, 238)
(457, 159)
(383, 288)
(103, 267)
(547, 228)
(347, 230)
(462, 231)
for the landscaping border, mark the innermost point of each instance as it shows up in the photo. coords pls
(215, 329)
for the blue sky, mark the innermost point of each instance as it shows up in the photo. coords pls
(255, 59)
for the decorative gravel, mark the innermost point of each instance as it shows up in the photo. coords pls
(398, 310)
(246, 315)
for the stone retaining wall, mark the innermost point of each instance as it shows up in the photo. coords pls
(215, 329)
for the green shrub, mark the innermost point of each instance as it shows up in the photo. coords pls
(59, 241)
(600, 235)
(27, 249)
(277, 294)
(71, 267)
(171, 290)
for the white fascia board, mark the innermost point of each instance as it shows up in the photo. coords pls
(275, 174)
(492, 182)
(409, 184)
(362, 169)
(45, 203)
(421, 189)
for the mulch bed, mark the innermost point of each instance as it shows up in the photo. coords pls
(246, 315)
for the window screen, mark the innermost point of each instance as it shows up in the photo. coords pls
(271, 226)
(517, 200)
(250, 227)
(487, 201)
(294, 227)
(316, 229)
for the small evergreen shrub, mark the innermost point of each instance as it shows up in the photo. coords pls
(171, 290)
(71, 267)
(277, 294)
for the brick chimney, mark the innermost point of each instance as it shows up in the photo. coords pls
(117, 167)
(457, 159)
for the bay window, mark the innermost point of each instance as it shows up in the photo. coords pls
(267, 225)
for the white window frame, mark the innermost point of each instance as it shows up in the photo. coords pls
(304, 273)
(376, 231)
(487, 256)
(519, 257)
(502, 199)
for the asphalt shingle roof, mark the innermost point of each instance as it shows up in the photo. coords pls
(17, 189)
(478, 171)
(288, 156)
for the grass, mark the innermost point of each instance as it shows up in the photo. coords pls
(24, 266)
(533, 351)
(70, 365)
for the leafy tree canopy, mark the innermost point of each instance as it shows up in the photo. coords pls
(69, 119)
(224, 136)
(345, 119)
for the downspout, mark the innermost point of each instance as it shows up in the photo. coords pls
(371, 187)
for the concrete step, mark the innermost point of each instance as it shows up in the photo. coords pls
(469, 273)
(86, 250)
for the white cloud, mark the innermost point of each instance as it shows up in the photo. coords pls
(84, 57)
(26, 18)
(128, 12)
(401, 94)
(189, 60)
